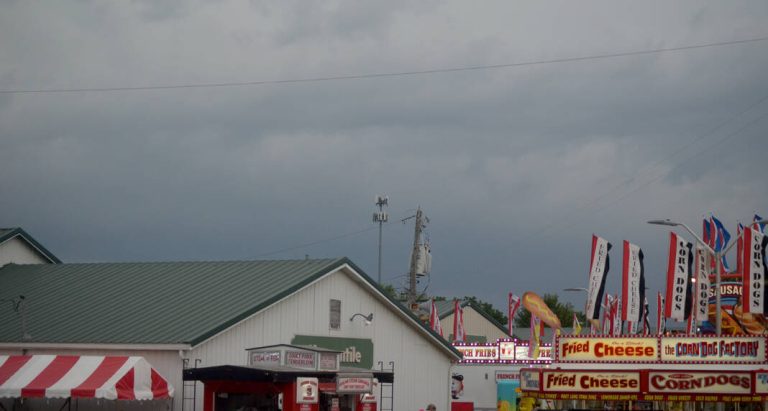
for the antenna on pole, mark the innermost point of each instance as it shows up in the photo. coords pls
(380, 217)
(419, 259)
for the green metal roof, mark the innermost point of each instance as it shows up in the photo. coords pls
(153, 303)
(133, 303)
(8, 233)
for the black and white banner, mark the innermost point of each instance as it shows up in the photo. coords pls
(598, 268)
(633, 284)
(755, 271)
(702, 283)
(679, 273)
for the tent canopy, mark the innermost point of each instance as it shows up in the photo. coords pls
(65, 376)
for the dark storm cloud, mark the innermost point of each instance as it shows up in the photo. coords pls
(512, 165)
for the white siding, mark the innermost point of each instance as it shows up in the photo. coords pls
(422, 370)
(474, 324)
(18, 251)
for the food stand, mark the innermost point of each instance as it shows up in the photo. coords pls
(654, 371)
(289, 378)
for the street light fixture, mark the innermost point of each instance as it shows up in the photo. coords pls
(717, 255)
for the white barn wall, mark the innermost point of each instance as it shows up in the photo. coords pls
(474, 324)
(422, 370)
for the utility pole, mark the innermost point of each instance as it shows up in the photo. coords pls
(414, 257)
(380, 217)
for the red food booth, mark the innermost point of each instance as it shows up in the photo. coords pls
(289, 378)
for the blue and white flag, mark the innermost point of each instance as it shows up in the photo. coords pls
(722, 237)
(756, 226)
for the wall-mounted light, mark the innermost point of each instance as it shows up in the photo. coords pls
(368, 318)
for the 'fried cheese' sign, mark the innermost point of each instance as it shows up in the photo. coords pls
(607, 349)
(582, 381)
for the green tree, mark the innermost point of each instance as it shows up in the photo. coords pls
(391, 291)
(563, 311)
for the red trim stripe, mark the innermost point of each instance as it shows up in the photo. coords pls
(747, 273)
(625, 282)
(124, 387)
(670, 273)
(11, 365)
(159, 385)
(49, 376)
(108, 367)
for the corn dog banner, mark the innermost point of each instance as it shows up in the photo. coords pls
(537, 307)
(755, 271)
(598, 269)
(679, 278)
(702, 283)
(633, 284)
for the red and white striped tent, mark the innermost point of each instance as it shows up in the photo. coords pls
(73, 376)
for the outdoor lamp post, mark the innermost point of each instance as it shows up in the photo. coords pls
(717, 255)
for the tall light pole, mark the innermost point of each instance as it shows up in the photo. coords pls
(380, 217)
(717, 255)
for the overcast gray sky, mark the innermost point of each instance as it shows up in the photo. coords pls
(515, 166)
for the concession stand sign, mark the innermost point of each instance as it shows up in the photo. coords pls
(607, 350)
(489, 352)
(719, 350)
(700, 382)
(530, 380)
(589, 381)
(761, 383)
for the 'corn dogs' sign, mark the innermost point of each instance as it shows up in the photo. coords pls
(606, 349)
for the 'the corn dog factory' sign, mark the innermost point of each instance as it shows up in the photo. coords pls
(607, 349)
(738, 350)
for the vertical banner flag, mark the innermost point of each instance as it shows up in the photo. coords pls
(679, 278)
(646, 322)
(739, 249)
(690, 327)
(756, 226)
(755, 271)
(607, 330)
(722, 237)
(616, 314)
(598, 268)
(633, 284)
(708, 234)
(660, 320)
(576, 325)
(514, 304)
(535, 341)
(458, 322)
(702, 283)
(434, 320)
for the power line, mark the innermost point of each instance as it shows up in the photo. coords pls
(664, 174)
(324, 240)
(543, 232)
(381, 75)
